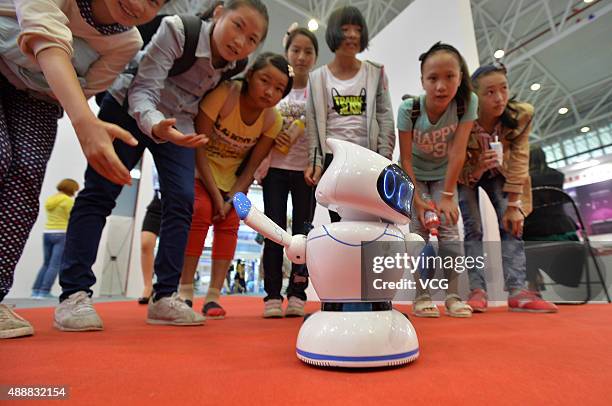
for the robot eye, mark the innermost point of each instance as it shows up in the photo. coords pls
(396, 189)
(389, 184)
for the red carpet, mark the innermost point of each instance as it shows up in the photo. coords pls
(494, 358)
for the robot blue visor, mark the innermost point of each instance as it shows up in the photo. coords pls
(396, 189)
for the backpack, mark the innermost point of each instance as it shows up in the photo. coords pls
(192, 25)
(416, 109)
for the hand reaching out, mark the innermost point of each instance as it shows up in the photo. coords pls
(165, 130)
(96, 138)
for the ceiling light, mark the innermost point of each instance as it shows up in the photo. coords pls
(499, 54)
(563, 110)
(588, 1)
(585, 164)
(535, 86)
(585, 129)
(313, 24)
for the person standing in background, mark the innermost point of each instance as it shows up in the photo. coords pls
(547, 223)
(287, 162)
(241, 121)
(348, 99)
(505, 180)
(148, 238)
(58, 207)
(433, 132)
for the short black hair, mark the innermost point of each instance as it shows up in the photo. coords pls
(537, 160)
(342, 16)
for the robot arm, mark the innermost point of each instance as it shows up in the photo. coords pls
(295, 246)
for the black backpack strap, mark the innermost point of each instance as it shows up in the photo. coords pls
(240, 65)
(149, 29)
(416, 110)
(460, 109)
(192, 25)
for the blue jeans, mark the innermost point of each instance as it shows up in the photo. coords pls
(449, 241)
(512, 248)
(95, 202)
(53, 247)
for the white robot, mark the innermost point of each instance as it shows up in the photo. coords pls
(371, 194)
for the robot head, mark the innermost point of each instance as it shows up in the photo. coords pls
(362, 180)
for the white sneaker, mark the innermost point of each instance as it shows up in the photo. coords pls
(273, 309)
(13, 325)
(172, 310)
(76, 313)
(295, 307)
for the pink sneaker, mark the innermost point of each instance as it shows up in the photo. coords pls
(528, 301)
(478, 301)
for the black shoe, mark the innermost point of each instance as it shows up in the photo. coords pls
(143, 300)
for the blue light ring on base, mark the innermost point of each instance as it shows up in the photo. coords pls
(359, 306)
(375, 358)
(327, 234)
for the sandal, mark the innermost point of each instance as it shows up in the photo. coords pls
(455, 307)
(213, 310)
(424, 307)
(143, 300)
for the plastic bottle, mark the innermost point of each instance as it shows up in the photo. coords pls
(499, 150)
(432, 221)
(295, 130)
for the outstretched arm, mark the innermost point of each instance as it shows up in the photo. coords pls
(95, 136)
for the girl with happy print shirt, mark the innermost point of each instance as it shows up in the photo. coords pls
(432, 153)
(240, 119)
(159, 108)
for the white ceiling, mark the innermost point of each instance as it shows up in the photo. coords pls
(571, 60)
